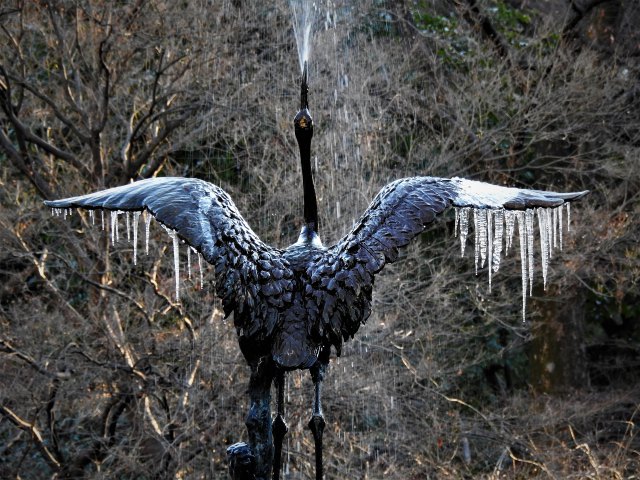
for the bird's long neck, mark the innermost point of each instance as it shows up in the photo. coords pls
(303, 124)
(310, 203)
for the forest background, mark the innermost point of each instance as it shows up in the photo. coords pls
(104, 375)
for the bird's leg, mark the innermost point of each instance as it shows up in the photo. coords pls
(317, 423)
(279, 427)
(259, 418)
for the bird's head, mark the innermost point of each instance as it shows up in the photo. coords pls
(303, 124)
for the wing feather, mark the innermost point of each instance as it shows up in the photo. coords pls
(400, 211)
(206, 218)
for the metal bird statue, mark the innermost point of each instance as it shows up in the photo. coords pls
(291, 306)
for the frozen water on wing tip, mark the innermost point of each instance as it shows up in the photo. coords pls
(189, 262)
(464, 228)
(489, 246)
(528, 222)
(509, 220)
(493, 226)
(128, 223)
(476, 231)
(114, 226)
(523, 260)
(456, 220)
(497, 239)
(176, 261)
(481, 213)
(559, 210)
(147, 225)
(136, 220)
(554, 212)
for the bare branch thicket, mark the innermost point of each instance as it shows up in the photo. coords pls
(95, 93)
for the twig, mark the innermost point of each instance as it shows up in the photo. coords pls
(36, 436)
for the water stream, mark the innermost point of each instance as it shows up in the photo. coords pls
(303, 17)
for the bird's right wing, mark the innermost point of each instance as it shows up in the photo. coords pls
(249, 273)
(399, 212)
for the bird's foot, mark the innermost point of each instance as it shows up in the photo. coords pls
(242, 465)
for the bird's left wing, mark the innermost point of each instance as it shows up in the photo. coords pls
(248, 272)
(399, 212)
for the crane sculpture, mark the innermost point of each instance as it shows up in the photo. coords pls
(292, 305)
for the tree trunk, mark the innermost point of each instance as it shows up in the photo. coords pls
(557, 353)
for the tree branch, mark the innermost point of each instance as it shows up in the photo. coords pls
(477, 18)
(36, 436)
(7, 347)
(580, 13)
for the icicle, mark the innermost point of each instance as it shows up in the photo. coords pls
(497, 240)
(559, 209)
(136, 220)
(528, 216)
(114, 226)
(337, 209)
(555, 227)
(510, 218)
(200, 270)
(482, 225)
(548, 217)
(455, 223)
(64, 215)
(568, 217)
(523, 259)
(464, 228)
(176, 260)
(476, 231)
(102, 218)
(128, 222)
(544, 244)
(489, 245)
(147, 224)
(189, 262)
(92, 216)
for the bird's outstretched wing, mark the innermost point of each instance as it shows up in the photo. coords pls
(399, 212)
(249, 273)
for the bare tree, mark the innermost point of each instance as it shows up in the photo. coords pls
(104, 374)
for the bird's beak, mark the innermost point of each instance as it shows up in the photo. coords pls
(304, 88)
(303, 121)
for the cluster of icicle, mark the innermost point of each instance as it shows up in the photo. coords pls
(492, 228)
(132, 220)
(495, 227)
